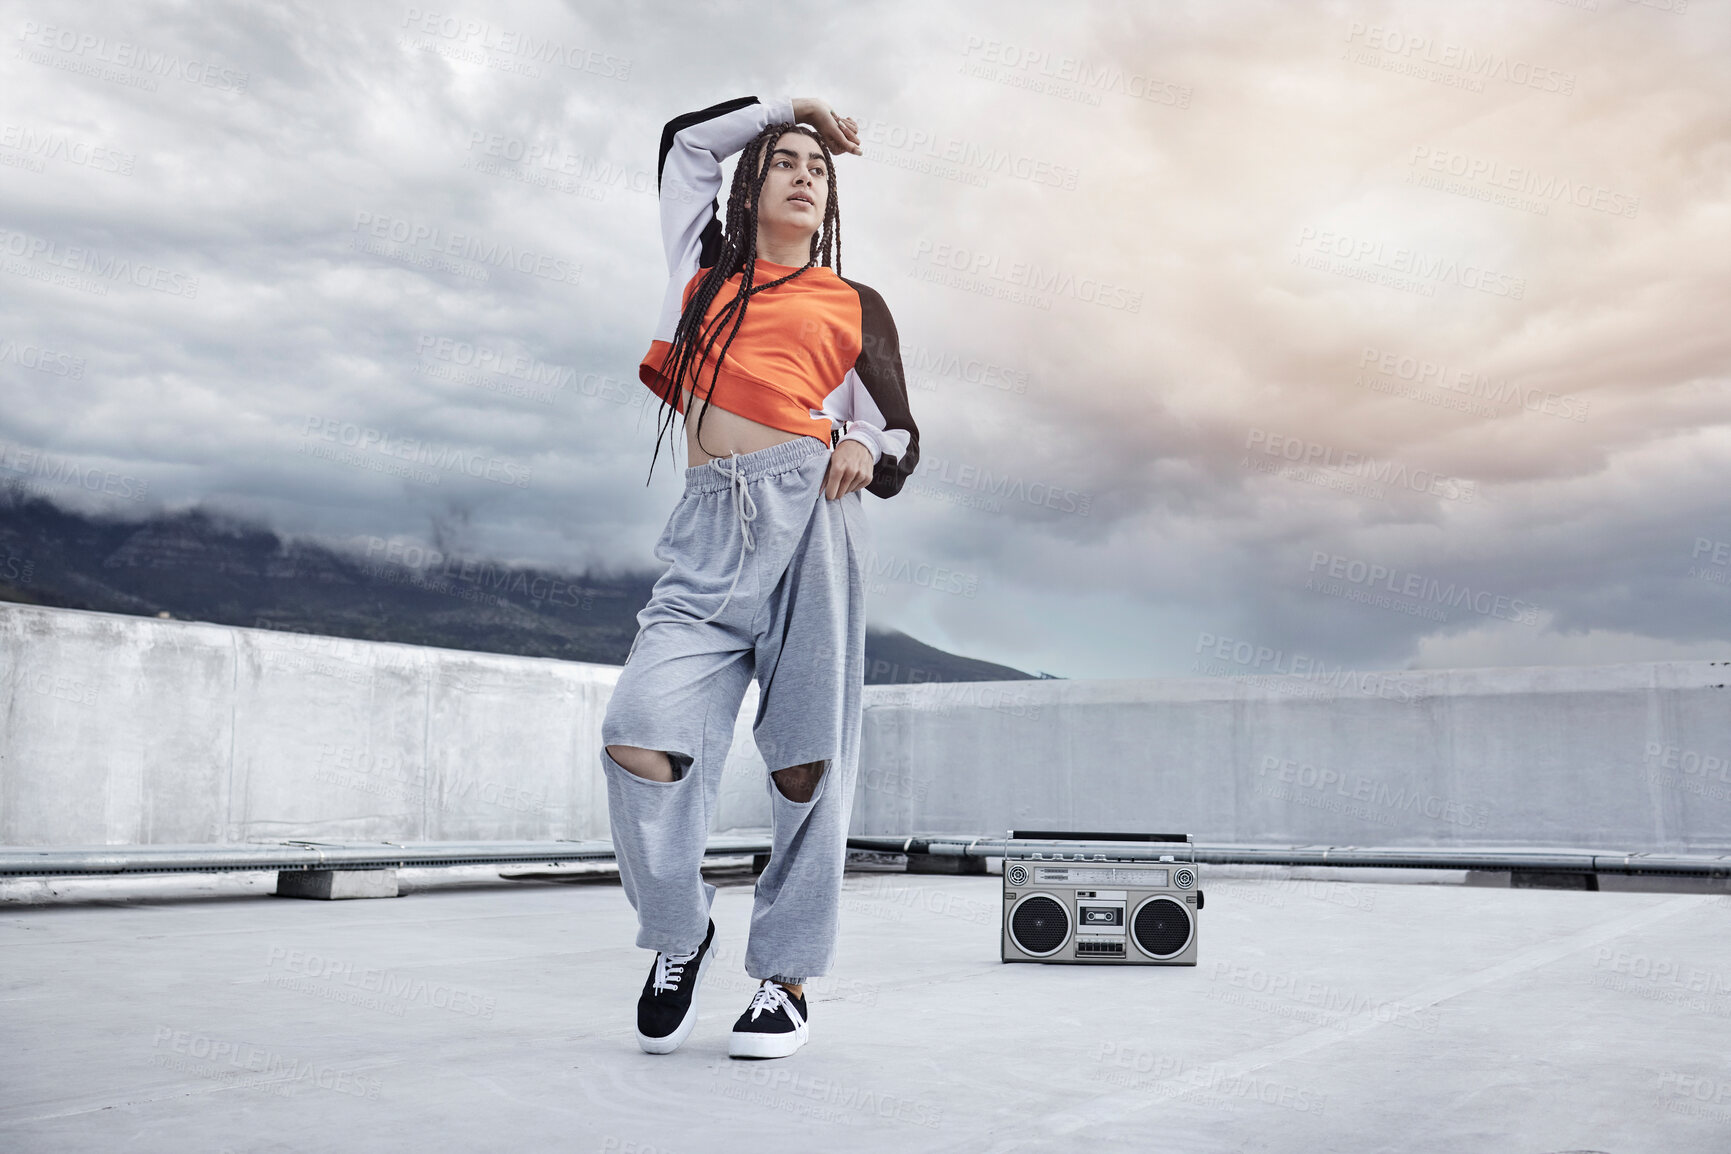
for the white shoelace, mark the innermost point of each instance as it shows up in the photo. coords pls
(670, 969)
(771, 997)
(745, 510)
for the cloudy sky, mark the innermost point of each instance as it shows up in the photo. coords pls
(1381, 336)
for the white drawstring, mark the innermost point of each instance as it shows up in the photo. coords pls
(745, 510)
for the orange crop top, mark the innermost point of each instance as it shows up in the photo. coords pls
(796, 342)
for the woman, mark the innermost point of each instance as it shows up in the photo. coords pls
(797, 381)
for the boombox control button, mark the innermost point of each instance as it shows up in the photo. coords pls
(1184, 879)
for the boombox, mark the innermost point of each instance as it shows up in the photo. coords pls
(1094, 904)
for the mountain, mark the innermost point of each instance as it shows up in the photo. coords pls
(201, 566)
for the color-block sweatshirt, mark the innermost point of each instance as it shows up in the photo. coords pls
(818, 355)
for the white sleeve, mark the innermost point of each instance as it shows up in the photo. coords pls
(692, 149)
(868, 435)
(865, 421)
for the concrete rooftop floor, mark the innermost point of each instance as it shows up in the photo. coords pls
(199, 1014)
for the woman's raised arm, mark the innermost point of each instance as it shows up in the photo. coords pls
(689, 175)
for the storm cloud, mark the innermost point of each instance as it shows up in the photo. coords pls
(1372, 335)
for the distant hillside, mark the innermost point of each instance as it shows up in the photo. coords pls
(894, 658)
(198, 566)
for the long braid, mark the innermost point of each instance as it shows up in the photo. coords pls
(693, 339)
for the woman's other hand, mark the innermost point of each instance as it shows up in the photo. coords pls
(850, 468)
(841, 133)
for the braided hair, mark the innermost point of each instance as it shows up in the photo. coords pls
(693, 339)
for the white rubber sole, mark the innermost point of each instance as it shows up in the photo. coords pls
(672, 1041)
(744, 1044)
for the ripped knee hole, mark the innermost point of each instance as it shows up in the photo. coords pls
(798, 783)
(651, 764)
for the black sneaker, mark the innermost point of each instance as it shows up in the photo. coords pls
(664, 1013)
(773, 1026)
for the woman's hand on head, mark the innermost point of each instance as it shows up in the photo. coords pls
(850, 468)
(841, 133)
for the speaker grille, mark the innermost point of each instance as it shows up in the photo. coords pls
(1161, 927)
(1039, 925)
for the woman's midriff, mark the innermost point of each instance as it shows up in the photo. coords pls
(725, 432)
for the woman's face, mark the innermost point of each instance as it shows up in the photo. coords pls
(796, 189)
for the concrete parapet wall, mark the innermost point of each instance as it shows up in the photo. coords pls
(1631, 756)
(125, 730)
(120, 730)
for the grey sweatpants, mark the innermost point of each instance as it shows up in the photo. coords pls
(754, 538)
